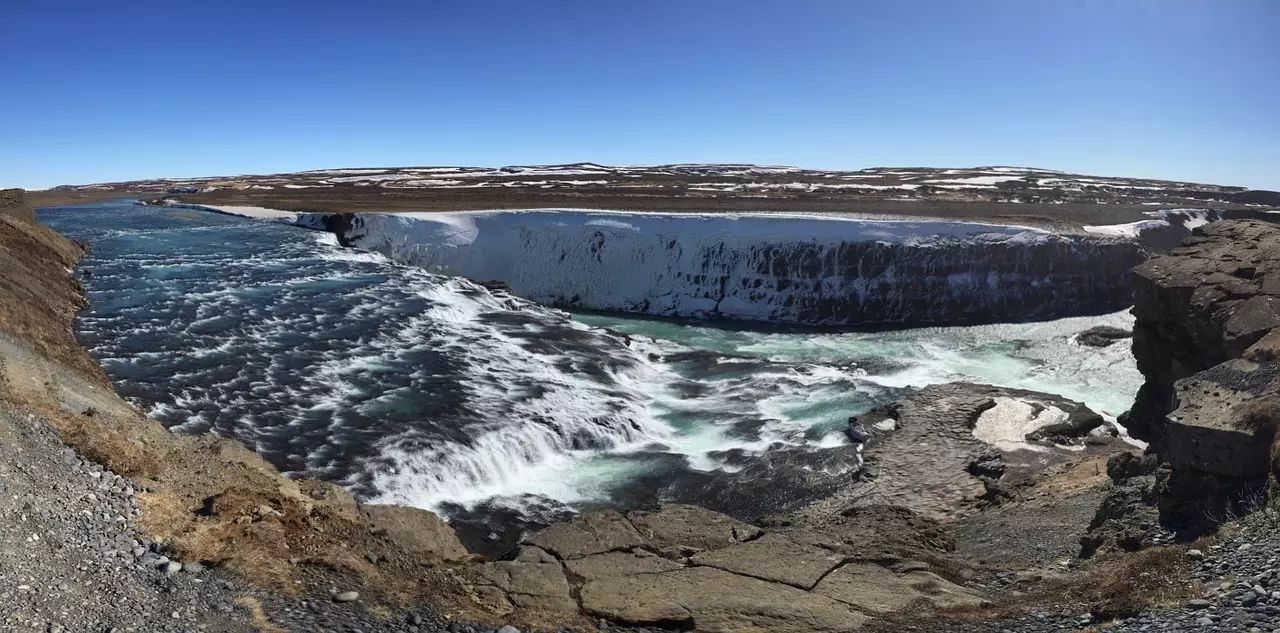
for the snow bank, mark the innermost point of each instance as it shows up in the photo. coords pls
(257, 213)
(1166, 228)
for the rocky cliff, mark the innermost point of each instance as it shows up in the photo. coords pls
(782, 269)
(1207, 338)
(13, 204)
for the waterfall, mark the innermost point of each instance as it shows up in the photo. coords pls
(811, 270)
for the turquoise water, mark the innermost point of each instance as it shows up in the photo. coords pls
(1040, 356)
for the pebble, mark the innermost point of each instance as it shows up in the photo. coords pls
(346, 596)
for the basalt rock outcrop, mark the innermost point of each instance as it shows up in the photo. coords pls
(882, 544)
(812, 271)
(1205, 337)
(948, 450)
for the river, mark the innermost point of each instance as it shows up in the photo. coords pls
(417, 388)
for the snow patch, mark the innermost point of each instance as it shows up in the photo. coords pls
(1006, 425)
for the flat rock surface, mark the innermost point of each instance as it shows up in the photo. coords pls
(717, 601)
(776, 558)
(691, 527)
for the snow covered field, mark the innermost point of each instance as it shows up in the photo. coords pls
(998, 184)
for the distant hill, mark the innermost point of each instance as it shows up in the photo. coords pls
(1021, 194)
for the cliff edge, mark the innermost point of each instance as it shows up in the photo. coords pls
(13, 204)
(1207, 338)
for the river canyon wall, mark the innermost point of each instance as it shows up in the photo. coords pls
(824, 271)
(1207, 338)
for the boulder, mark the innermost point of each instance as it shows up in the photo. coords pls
(1102, 336)
(1267, 349)
(415, 529)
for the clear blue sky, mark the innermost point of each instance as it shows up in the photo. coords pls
(1180, 89)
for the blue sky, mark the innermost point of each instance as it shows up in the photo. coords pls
(1179, 89)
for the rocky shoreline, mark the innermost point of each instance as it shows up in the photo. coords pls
(929, 529)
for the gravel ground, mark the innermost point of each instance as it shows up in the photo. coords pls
(1241, 572)
(71, 561)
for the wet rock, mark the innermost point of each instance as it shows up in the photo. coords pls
(1102, 336)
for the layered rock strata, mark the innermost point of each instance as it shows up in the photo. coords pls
(798, 270)
(1207, 337)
